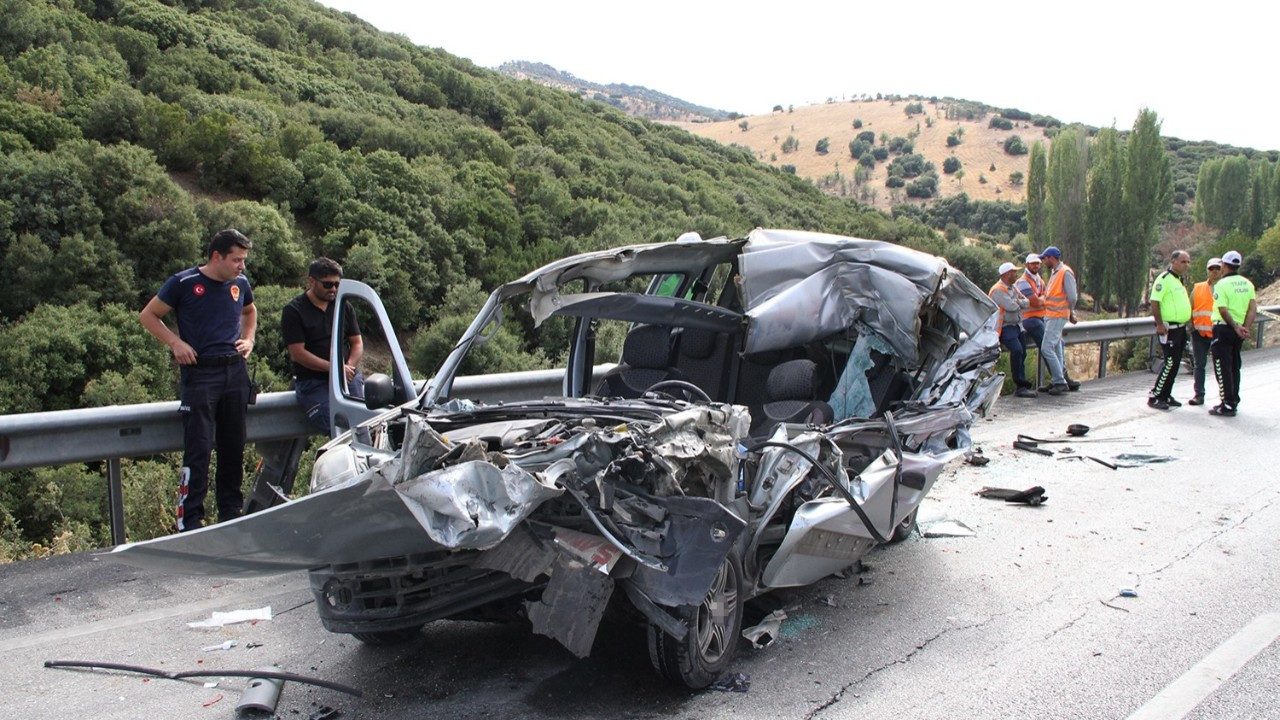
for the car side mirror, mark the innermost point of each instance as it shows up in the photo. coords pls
(379, 391)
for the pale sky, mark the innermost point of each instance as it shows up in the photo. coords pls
(1206, 68)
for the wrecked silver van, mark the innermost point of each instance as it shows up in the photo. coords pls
(736, 416)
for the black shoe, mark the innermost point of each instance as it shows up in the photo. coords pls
(1072, 385)
(1024, 392)
(1046, 388)
(1157, 403)
(1057, 389)
(1173, 403)
(1222, 411)
(1197, 400)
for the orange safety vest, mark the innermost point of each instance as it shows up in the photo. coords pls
(1037, 284)
(1055, 299)
(1202, 308)
(1000, 311)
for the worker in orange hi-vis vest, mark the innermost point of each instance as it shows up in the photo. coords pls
(1031, 285)
(1009, 322)
(1202, 326)
(1059, 309)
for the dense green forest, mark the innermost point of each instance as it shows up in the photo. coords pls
(131, 130)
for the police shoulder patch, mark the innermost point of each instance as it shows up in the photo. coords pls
(1158, 287)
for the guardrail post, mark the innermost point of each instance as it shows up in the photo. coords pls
(115, 501)
(1103, 348)
(1257, 334)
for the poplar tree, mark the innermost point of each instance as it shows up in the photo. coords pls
(1103, 216)
(1036, 197)
(1148, 197)
(1068, 161)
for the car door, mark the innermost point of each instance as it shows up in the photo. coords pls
(347, 406)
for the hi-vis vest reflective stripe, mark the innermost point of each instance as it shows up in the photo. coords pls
(1037, 285)
(1202, 308)
(999, 310)
(1055, 299)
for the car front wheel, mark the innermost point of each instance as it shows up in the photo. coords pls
(904, 528)
(714, 625)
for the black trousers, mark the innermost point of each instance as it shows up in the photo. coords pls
(214, 401)
(1226, 349)
(1174, 343)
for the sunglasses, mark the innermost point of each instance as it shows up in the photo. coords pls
(328, 284)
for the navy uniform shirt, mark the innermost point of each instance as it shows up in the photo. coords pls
(302, 322)
(208, 311)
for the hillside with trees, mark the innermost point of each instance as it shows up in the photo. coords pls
(131, 130)
(634, 100)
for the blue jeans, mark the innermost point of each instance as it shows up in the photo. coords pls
(1054, 351)
(1012, 339)
(313, 396)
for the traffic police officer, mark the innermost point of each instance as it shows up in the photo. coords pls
(217, 320)
(1235, 307)
(1171, 309)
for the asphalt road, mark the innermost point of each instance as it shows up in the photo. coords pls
(1026, 618)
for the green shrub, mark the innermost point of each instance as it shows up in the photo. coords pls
(1013, 145)
(951, 164)
(1000, 123)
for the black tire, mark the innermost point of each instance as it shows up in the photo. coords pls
(904, 528)
(708, 648)
(380, 638)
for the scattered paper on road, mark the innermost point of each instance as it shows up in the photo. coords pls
(218, 619)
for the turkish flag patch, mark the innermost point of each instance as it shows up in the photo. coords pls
(198, 290)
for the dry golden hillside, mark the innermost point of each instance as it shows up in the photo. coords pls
(980, 147)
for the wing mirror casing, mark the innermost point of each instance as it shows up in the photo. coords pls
(379, 391)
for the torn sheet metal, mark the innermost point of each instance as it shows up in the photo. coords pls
(336, 525)
(572, 605)
(693, 540)
(799, 286)
(763, 634)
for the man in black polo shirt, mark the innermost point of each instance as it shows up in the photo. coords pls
(217, 320)
(306, 324)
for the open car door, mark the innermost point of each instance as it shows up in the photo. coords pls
(347, 406)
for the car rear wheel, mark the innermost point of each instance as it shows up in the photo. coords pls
(714, 625)
(904, 528)
(389, 637)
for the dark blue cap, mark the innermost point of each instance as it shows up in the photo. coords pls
(1051, 251)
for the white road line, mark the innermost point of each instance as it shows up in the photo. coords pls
(1184, 694)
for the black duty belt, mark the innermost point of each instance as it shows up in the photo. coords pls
(218, 360)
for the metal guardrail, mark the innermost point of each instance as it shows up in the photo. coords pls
(127, 431)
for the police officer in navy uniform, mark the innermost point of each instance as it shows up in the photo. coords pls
(217, 320)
